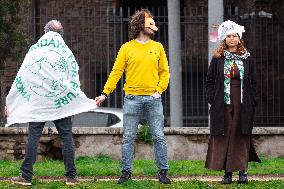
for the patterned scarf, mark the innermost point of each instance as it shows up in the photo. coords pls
(230, 59)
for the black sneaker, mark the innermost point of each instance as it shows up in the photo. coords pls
(162, 176)
(20, 180)
(71, 181)
(227, 179)
(126, 175)
(243, 177)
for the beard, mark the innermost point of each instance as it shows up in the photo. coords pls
(150, 34)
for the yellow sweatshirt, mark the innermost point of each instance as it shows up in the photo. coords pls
(146, 69)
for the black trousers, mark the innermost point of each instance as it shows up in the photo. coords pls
(64, 128)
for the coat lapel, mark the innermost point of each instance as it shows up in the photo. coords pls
(246, 68)
(221, 63)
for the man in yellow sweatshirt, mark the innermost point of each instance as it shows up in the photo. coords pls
(147, 76)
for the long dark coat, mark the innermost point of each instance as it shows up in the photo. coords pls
(214, 86)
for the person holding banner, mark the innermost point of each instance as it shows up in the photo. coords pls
(47, 88)
(147, 76)
(231, 91)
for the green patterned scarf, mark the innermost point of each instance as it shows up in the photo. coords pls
(230, 59)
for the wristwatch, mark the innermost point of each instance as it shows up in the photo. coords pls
(104, 94)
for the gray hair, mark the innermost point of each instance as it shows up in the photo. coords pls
(54, 25)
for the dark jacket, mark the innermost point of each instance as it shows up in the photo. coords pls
(214, 86)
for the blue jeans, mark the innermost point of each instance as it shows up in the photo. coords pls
(135, 108)
(64, 128)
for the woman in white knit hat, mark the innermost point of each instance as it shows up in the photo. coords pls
(231, 92)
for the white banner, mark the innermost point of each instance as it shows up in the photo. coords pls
(47, 86)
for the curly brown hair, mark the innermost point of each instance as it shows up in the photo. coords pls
(137, 22)
(222, 47)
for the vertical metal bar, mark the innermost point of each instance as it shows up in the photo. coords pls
(89, 54)
(158, 20)
(273, 71)
(101, 53)
(197, 77)
(108, 46)
(191, 71)
(39, 24)
(121, 41)
(78, 53)
(204, 66)
(114, 48)
(34, 20)
(261, 75)
(267, 75)
(46, 20)
(95, 52)
(278, 74)
(167, 50)
(186, 88)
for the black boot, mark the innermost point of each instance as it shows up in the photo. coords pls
(227, 179)
(162, 176)
(243, 177)
(126, 175)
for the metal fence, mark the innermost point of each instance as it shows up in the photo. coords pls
(265, 40)
(96, 34)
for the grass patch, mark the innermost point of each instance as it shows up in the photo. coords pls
(148, 185)
(106, 166)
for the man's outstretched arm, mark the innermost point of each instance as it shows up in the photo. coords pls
(114, 77)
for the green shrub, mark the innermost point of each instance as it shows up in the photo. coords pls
(144, 134)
